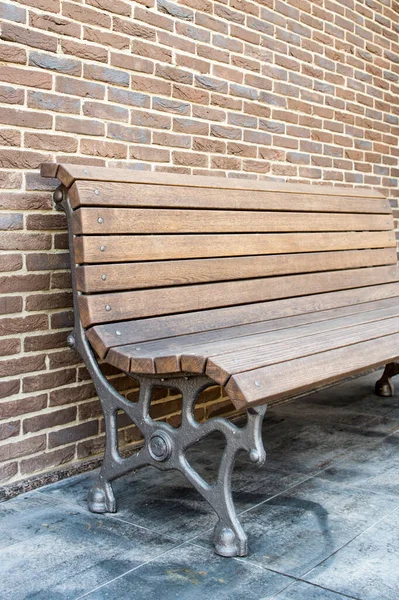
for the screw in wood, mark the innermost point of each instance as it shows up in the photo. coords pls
(257, 383)
(97, 193)
(107, 307)
(85, 171)
(100, 220)
(103, 277)
(102, 248)
(118, 332)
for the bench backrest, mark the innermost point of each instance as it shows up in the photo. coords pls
(151, 244)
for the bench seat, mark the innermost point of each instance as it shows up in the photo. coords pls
(184, 282)
(268, 359)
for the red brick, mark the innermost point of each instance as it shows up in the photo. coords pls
(49, 420)
(11, 53)
(25, 447)
(68, 435)
(84, 14)
(30, 37)
(10, 346)
(106, 149)
(79, 126)
(85, 51)
(190, 159)
(117, 7)
(72, 394)
(45, 381)
(24, 283)
(21, 159)
(132, 28)
(10, 262)
(149, 154)
(154, 19)
(132, 63)
(7, 471)
(17, 366)
(27, 77)
(47, 460)
(76, 87)
(105, 111)
(55, 25)
(55, 143)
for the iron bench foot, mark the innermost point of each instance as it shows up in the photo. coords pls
(384, 386)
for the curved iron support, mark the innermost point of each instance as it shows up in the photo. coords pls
(164, 446)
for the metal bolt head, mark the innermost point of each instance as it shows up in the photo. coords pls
(102, 248)
(257, 383)
(57, 196)
(138, 348)
(118, 332)
(107, 307)
(100, 220)
(160, 446)
(103, 277)
(71, 340)
(97, 192)
(85, 171)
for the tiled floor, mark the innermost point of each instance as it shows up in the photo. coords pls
(322, 517)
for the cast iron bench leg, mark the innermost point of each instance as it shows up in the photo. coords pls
(384, 386)
(165, 448)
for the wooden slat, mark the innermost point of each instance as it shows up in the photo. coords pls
(190, 352)
(110, 277)
(103, 337)
(68, 173)
(220, 367)
(101, 308)
(297, 376)
(118, 221)
(167, 247)
(88, 193)
(48, 169)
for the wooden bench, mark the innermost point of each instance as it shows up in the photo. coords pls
(182, 281)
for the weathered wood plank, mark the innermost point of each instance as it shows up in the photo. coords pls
(102, 308)
(277, 381)
(68, 173)
(106, 336)
(221, 367)
(106, 249)
(49, 169)
(124, 276)
(190, 352)
(119, 221)
(105, 194)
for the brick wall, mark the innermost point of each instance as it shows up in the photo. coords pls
(291, 90)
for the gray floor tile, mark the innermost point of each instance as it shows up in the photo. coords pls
(368, 567)
(295, 531)
(59, 554)
(190, 573)
(375, 469)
